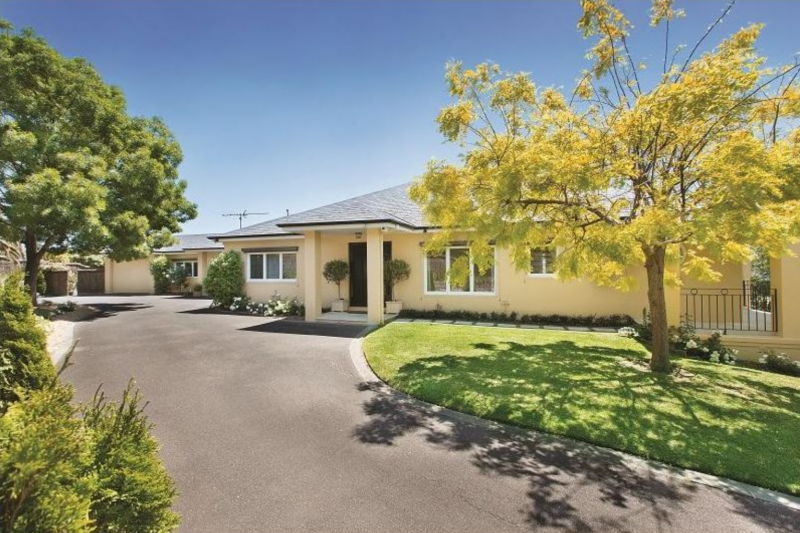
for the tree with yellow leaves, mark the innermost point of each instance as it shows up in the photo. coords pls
(693, 171)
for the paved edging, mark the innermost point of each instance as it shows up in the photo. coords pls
(638, 464)
(60, 352)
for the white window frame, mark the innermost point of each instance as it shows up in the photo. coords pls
(195, 262)
(280, 279)
(531, 274)
(447, 291)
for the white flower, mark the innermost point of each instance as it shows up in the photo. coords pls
(691, 344)
(714, 357)
(705, 349)
(763, 359)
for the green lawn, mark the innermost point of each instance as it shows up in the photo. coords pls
(735, 422)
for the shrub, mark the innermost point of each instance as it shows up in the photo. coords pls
(779, 362)
(711, 349)
(645, 329)
(608, 321)
(225, 280)
(395, 271)
(336, 271)
(160, 269)
(275, 306)
(178, 277)
(26, 363)
(134, 491)
(72, 281)
(46, 483)
(41, 282)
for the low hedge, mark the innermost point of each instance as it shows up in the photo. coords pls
(601, 321)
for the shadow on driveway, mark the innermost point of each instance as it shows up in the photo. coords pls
(297, 327)
(565, 478)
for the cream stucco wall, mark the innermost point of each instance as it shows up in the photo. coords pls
(515, 290)
(134, 276)
(128, 277)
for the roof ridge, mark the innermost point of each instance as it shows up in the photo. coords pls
(350, 199)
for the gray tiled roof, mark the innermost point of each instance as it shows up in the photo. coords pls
(389, 205)
(262, 229)
(187, 242)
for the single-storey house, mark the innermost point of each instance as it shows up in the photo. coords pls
(193, 251)
(286, 256)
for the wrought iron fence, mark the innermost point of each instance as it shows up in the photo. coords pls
(753, 307)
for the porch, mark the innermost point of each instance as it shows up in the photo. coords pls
(350, 317)
(365, 248)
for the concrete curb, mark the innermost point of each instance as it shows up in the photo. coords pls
(61, 352)
(638, 464)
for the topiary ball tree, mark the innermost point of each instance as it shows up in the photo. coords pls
(395, 271)
(336, 271)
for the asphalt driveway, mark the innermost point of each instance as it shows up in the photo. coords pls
(267, 426)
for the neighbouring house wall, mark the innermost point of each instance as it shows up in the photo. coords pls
(262, 290)
(128, 277)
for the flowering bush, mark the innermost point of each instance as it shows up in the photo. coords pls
(275, 306)
(779, 362)
(684, 338)
(225, 279)
(628, 332)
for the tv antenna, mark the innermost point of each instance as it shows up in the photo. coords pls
(244, 214)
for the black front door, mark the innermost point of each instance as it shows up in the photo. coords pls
(358, 274)
(387, 256)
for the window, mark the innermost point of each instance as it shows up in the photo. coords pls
(542, 261)
(438, 265)
(272, 266)
(190, 267)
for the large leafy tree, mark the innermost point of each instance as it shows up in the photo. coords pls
(76, 171)
(689, 167)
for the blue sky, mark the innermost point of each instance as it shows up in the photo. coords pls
(291, 105)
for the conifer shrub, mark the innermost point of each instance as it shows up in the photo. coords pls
(26, 364)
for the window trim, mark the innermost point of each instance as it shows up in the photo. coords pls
(447, 291)
(545, 275)
(280, 279)
(196, 263)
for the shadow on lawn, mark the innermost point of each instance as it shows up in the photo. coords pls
(561, 474)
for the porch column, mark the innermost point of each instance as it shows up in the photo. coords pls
(374, 276)
(785, 278)
(312, 274)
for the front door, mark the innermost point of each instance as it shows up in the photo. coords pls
(358, 274)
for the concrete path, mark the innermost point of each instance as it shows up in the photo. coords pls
(267, 426)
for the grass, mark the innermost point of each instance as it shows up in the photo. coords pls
(739, 423)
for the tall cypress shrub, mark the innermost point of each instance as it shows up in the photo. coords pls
(23, 344)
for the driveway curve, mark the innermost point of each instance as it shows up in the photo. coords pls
(266, 425)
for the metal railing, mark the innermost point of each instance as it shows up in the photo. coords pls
(753, 307)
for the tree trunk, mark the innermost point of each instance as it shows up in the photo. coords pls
(32, 260)
(654, 264)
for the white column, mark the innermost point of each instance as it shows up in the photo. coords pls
(374, 276)
(312, 274)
